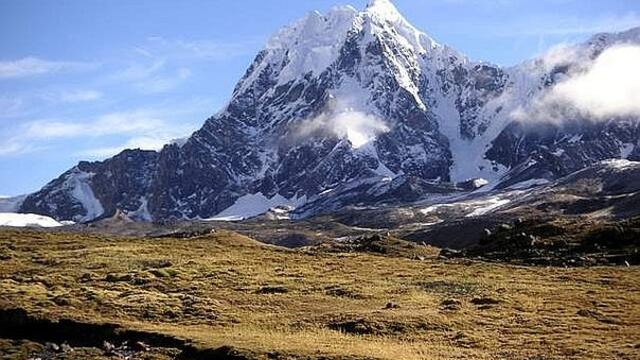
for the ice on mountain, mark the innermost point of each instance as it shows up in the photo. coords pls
(626, 150)
(619, 164)
(310, 44)
(252, 205)
(79, 183)
(490, 205)
(142, 213)
(27, 220)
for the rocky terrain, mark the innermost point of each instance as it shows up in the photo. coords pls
(540, 224)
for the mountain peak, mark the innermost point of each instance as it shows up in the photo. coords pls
(384, 9)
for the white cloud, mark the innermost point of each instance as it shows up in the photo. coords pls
(13, 146)
(71, 96)
(32, 66)
(608, 87)
(137, 72)
(161, 84)
(357, 127)
(562, 54)
(11, 106)
(145, 128)
(75, 96)
(205, 50)
(611, 87)
(153, 78)
(127, 122)
(160, 65)
(20, 105)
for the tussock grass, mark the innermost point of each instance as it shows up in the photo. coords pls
(225, 289)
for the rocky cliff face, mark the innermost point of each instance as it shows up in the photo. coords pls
(340, 100)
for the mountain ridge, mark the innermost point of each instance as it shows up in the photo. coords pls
(345, 98)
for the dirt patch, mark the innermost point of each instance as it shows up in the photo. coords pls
(18, 325)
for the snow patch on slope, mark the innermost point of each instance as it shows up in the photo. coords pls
(252, 205)
(27, 220)
(619, 164)
(491, 205)
(468, 155)
(142, 213)
(79, 182)
(472, 208)
(626, 150)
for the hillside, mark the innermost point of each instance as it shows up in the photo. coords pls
(226, 296)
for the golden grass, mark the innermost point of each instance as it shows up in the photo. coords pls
(226, 289)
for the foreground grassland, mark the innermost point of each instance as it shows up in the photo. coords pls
(267, 302)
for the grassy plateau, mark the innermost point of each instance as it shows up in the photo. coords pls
(229, 296)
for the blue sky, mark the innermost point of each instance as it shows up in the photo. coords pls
(84, 79)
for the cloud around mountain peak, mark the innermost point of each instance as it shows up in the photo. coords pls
(596, 90)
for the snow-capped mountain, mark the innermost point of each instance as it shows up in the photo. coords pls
(355, 101)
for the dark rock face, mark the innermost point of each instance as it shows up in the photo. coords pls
(276, 136)
(121, 182)
(483, 83)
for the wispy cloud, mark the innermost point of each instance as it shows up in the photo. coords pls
(163, 83)
(137, 71)
(32, 66)
(343, 121)
(11, 106)
(60, 114)
(12, 147)
(23, 104)
(15, 146)
(196, 50)
(160, 65)
(604, 89)
(151, 77)
(127, 122)
(610, 88)
(73, 95)
(145, 128)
